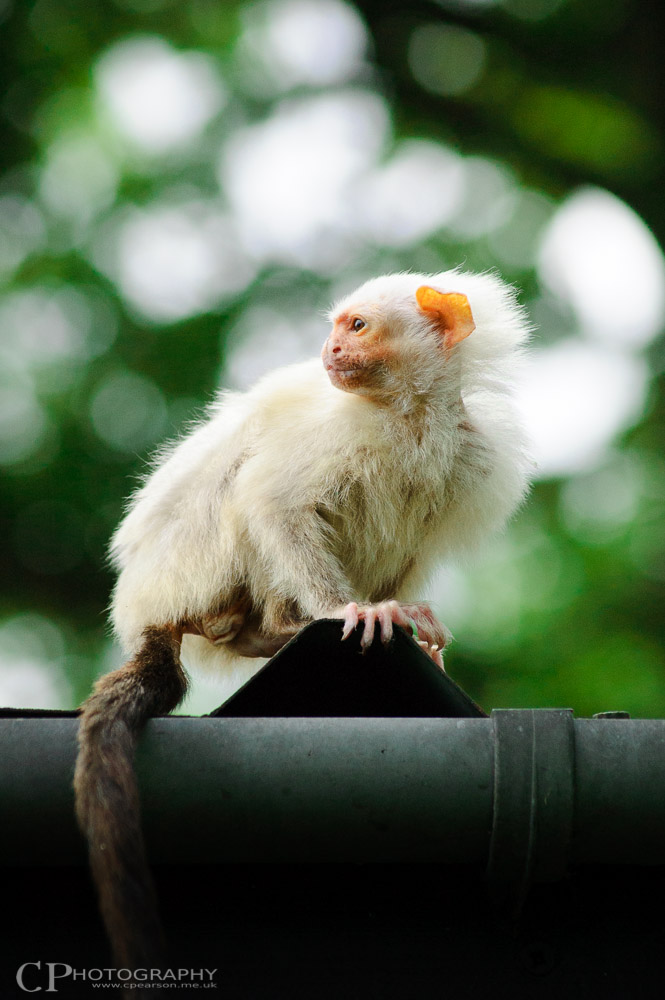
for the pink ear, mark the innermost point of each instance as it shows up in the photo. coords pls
(450, 310)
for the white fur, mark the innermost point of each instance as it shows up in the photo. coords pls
(290, 459)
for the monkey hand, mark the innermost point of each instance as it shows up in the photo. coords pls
(429, 633)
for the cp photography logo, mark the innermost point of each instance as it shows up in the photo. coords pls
(49, 977)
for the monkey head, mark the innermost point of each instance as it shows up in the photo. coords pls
(384, 337)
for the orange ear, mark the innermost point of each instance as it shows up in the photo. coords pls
(451, 311)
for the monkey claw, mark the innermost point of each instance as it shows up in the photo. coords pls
(429, 633)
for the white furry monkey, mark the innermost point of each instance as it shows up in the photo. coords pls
(327, 490)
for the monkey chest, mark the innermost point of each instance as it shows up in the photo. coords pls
(381, 523)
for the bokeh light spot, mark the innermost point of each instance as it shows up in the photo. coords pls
(415, 193)
(446, 59)
(261, 340)
(31, 650)
(489, 198)
(601, 258)
(22, 231)
(158, 98)
(173, 260)
(576, 397)
(515, 244)
(24, 424)
(288, 178)
(598, 506)
(78, 179)
(128, 411)
(286, 43)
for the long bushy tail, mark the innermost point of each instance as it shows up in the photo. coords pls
(107, 798)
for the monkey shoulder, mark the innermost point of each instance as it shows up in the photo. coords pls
(298, 393)
(182, 476)
(300, 418)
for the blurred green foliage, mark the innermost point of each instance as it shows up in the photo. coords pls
(567, 609)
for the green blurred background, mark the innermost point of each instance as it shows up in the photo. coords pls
(185, 187)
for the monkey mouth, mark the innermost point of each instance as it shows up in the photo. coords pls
(350, 376)
(346, 371)
(346, 377)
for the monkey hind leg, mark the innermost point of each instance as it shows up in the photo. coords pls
(222, 626)
(107, 798)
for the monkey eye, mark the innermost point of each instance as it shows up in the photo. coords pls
(358, 324)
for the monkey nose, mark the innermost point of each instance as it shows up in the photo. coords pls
(331, 347)
(333, 343)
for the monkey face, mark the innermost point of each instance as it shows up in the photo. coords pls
(357, 353)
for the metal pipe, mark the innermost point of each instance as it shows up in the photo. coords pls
(524, 792)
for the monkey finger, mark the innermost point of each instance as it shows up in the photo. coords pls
(433, 652)
(413, 623)
(400, 617)
(368, 631)
(437, 656)
(385, 618)
(350, 619)
(427, 624)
